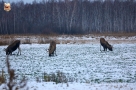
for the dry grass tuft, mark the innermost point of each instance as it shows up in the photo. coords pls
(2, 42)
(43, 40)
(12, 83)
(66, 39)
(26, 41)
(2, 78)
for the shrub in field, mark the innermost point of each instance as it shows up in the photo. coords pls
(43, 40)
(2, 78)
(27, 41)
(6, 41)
(12, 83)
(58, 77)
(3, 42)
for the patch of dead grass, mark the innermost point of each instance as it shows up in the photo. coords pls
(66, 39)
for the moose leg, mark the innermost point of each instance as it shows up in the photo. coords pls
(19, 50)
(100, 47)
(10, 52)
(105, 49)
(52, 53)
(55, 52)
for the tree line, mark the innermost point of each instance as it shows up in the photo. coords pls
(69, 17)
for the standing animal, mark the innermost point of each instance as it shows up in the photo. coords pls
(105, 44)
(52, 48)
(12, 47)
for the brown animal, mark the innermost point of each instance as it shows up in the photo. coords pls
(52, 48)
(105, 44)
(12, 47)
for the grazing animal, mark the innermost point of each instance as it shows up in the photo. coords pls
(52, 48)
(105, 44)
(12, 47)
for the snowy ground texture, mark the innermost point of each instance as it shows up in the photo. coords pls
(85, 66)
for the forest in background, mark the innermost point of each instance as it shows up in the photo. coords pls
(69, 17)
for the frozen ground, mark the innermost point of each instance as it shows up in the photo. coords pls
(85, 66)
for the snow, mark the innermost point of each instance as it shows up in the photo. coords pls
(82, 86)
(77, 86)
(85, 66)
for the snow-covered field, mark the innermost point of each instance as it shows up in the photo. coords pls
(85, 66)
